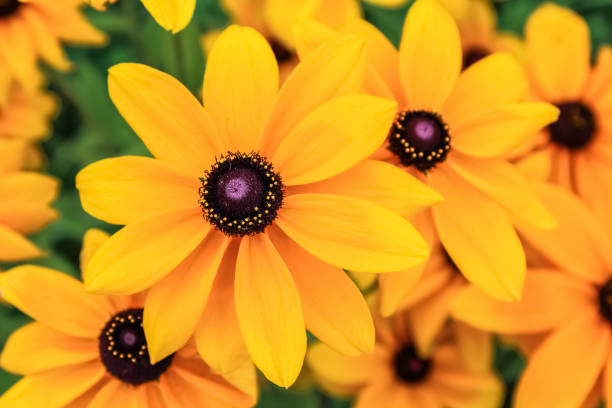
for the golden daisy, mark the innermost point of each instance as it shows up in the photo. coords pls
(25, 207)
(275, 177)
(25, 116)
(87, 350)
(453, 129)
(577, 145)
(36, 29)
(454, 373)
(569, 305)
(172, 15)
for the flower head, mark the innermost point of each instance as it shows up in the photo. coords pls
(91, 350)
(256, 201)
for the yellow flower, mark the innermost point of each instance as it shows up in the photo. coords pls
(25, 116)
(24, 209)
(277, 180)
(569, 303)
(172, 15)
(453, 129)
(36, 29)
(90, 350)
(455, 372)
(577, 146)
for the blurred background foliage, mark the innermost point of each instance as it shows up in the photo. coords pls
(88, 128)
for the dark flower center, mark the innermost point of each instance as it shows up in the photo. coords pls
(409, 367)
(241, 194)
(123, 350)
(419, 139)
(605, 300)
(575, 127)
(8, 7)
(281, 53)
(473, 55)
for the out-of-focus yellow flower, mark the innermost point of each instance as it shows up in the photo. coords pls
(90, 350)
(25, 206)
(286, 200)
(172, 15)
(453, 129)
(35, 29)
(569, 305)
(455, 371)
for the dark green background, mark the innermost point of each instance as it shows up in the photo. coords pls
(88, 128)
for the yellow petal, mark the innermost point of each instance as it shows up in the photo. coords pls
(269, 311)
(558, 52)
(583, 345)
(334, 367)
(381, 183)
(309, 34)
(92, 241)
(142, 253)
(117, 393)
(333, 138)
(28, 187)
(479, 237)
(34, 348)
(15, 247)
(69, 23)
(550, 299)
(18, 54)
(280, 15)
(430, 55)
(578, 242)
(352, 233)
(53, 388)
(165, 115)
(218, 337)
(313, 83)
(183, 292)
(598, 86)
(44, 39)
(173, 15)
(503, 183)
(336, 13)
(479, 87)
(26, 218)
(500, 129)
(334, 309)
(126, 189)
(12, 153)
(240, 84)
(67, 306)
(388, 3)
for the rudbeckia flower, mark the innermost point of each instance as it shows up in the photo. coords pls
(36, 29)
(25, 206)
(278, 180)
(568, 304)
(577, 144)
(454, 373)
(25, 116)
(453, 130)
(172, 15)
(90, 350)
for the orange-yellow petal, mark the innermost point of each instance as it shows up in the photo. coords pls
(352, 233)
(333, 138)
(92, 241)
(143, 252)
(429, 56)
(117, 393)
(173, 15)
(126, 189)
(15, 247)
(166, 116)
(240, 85)
(269, 311)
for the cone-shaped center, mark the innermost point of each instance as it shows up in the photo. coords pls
(409, 366)
(8, 7)
(419, 139)
(472, 55)
(575, 127)
(123, 350)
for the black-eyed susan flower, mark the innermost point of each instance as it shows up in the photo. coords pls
(453, 130)
(25, 207)
(566, 308)
(33, 30)
(238, 174)
(90, 350)
(455, 372)
(577, 146)
(25, 116)
(172, 15)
